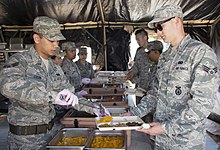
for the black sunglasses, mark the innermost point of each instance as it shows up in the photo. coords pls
(158, 25)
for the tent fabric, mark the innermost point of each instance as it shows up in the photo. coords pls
(23, 12)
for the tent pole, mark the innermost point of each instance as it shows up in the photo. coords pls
(105, 48)
(104, 33)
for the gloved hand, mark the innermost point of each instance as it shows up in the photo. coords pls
(82, 92)
(98, 113)
(86, 80)
(65, 97)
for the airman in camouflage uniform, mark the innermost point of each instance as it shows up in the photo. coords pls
(143, 66)
(58, 57)
(154, 50)
(32, 82)
(85, 67)
(69, 67)
(186, 88)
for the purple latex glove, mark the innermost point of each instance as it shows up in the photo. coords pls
(82, 92)
(65, 97)
(86, 80)
(97, 111)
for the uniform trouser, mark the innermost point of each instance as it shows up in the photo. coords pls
(31, 142)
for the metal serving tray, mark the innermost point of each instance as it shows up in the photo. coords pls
(107, 133)
(70, 132)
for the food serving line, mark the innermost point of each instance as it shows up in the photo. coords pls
(95, 133)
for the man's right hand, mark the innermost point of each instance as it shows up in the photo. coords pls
(65, 97)
(82, 92)
(130, 75)
(96, 110)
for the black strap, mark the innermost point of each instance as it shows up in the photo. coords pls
(30, 130)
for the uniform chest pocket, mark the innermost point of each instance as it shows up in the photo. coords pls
(181, 72)
(57, 77)
(34, 75)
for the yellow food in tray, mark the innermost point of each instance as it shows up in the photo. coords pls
(107, 142)
(105, 119)
(72, 141)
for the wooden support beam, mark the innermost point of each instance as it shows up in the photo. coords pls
(99, 24)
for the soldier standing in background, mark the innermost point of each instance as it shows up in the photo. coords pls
(85, 67)
(154, 50)
(58, 57)
(69, 67)
(142, 68)
(33, 83)
(187, 85)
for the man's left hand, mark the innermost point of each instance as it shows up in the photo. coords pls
(155, 129)
(86, 80)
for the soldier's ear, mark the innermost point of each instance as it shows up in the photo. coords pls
(36, 38)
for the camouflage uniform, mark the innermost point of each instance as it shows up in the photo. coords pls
(32, 89)
(86, 69)
(72, 73)
(143, 69)
(184, 95)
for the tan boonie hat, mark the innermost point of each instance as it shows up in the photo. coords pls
(68, 46)
(48, 27)
(82, 50)
(164, 13)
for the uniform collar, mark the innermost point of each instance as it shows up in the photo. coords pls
(183, 43)
(36, 58)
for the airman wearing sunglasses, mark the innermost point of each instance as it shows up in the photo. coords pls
(186, 86)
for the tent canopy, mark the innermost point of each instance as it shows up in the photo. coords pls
(201, 18)
(23, 12)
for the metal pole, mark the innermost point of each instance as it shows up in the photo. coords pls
(104, 33)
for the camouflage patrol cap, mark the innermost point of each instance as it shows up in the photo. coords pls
(165, 13)
(82, 50)
(48, 27)
(68, 46)
(59, 53)
(155, 45)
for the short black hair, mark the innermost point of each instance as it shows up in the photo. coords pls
(142, 32)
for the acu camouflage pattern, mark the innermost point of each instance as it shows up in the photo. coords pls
(184, 96)
(48, 27)
(83, 50)
(166, 12)
(68, 46)
(72, 73)
(143, 69)
(154, 46)
(59, 53)
(32, 90)
(86, 69)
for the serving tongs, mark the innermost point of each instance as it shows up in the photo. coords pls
(84, 101)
